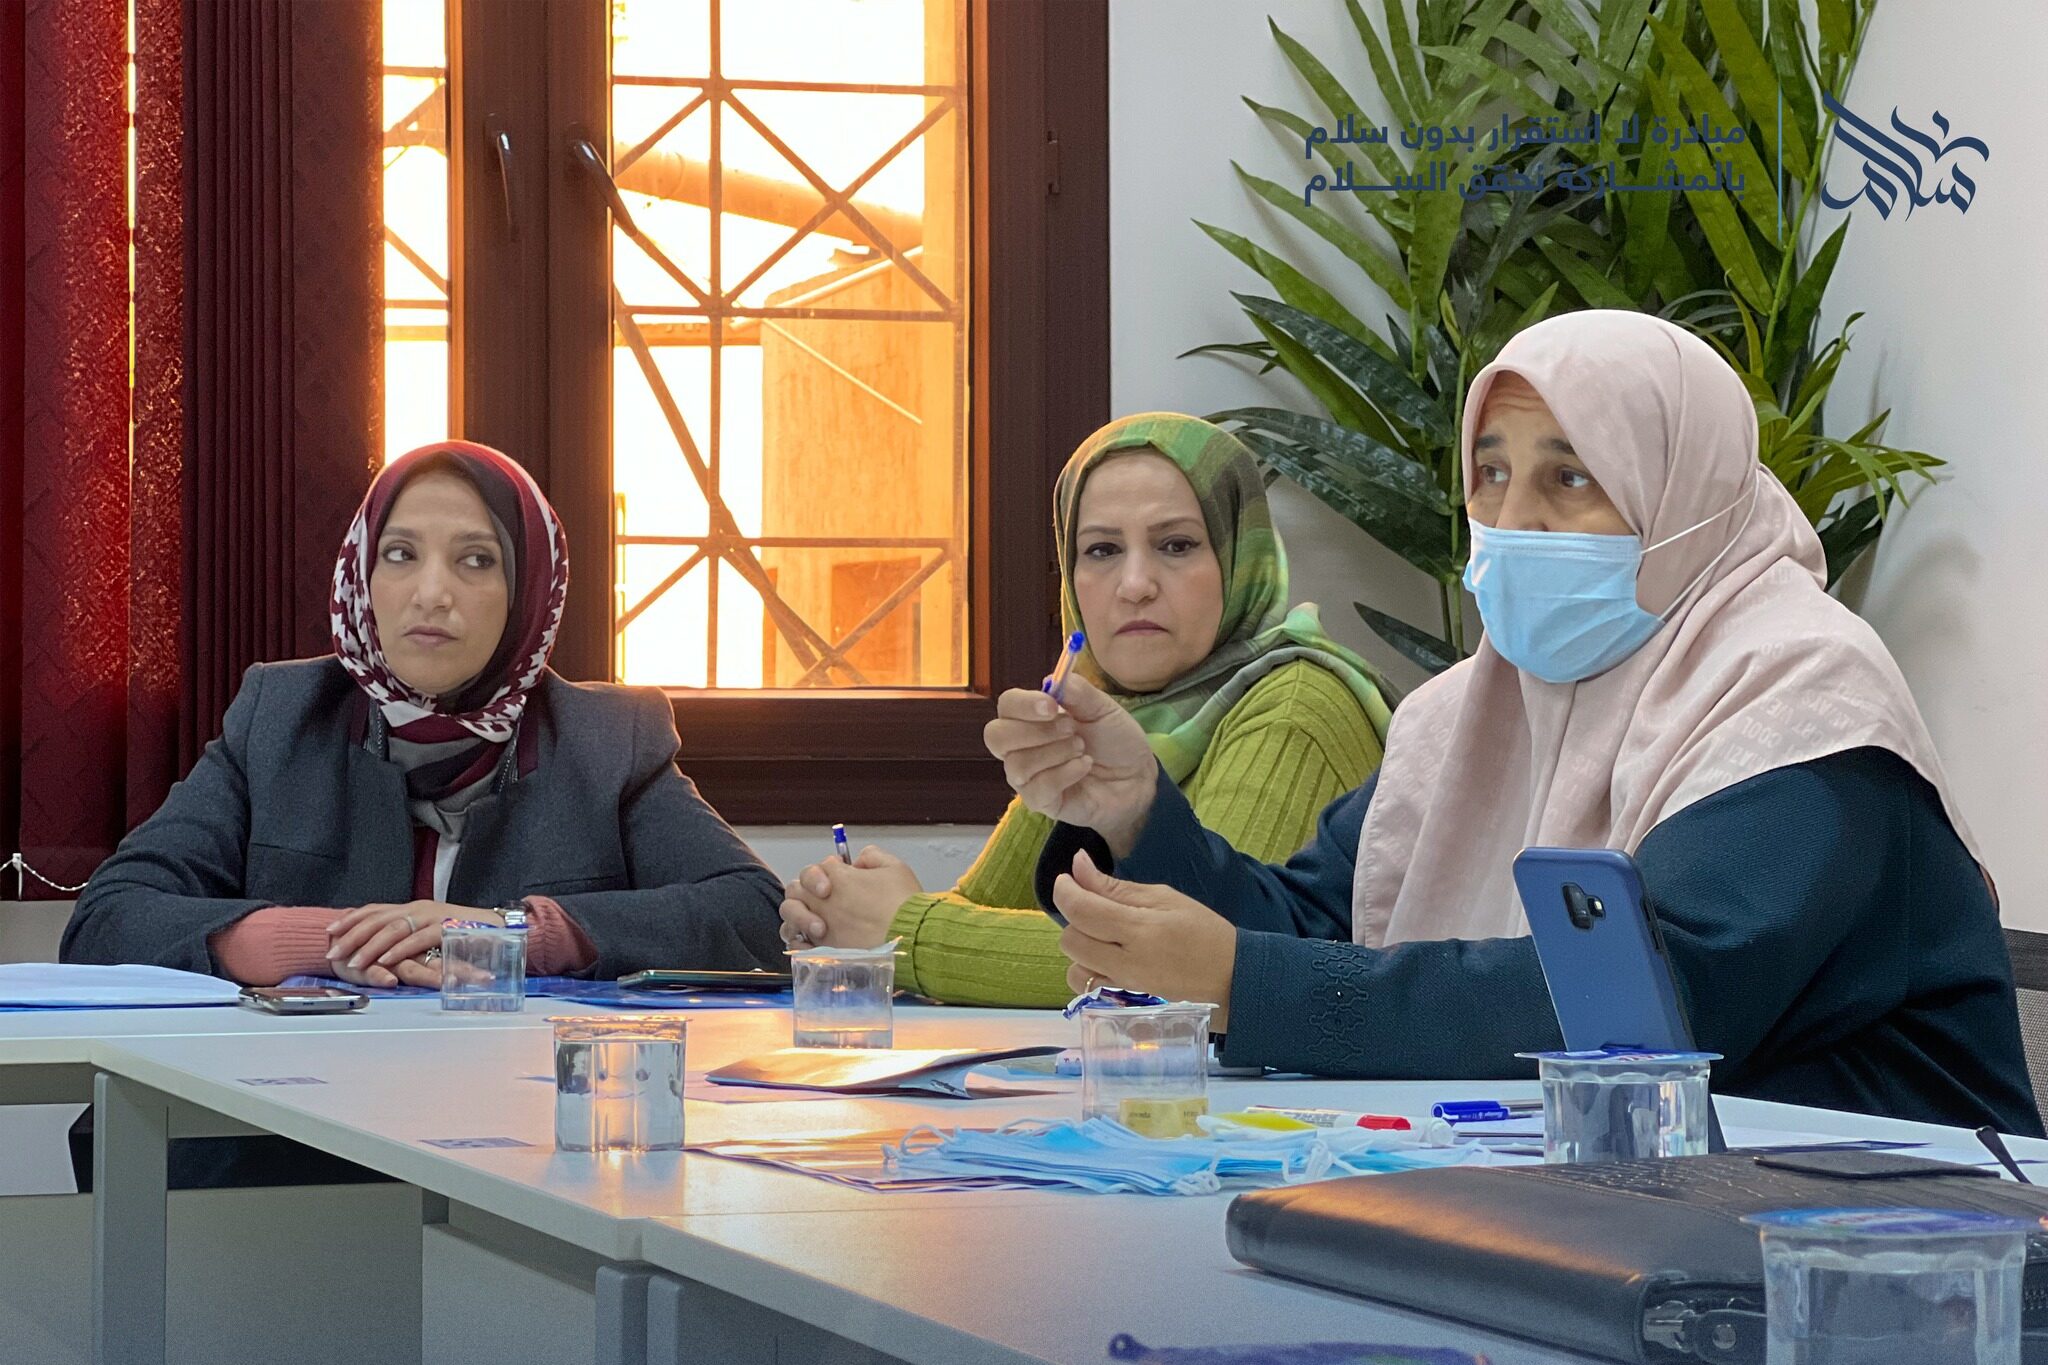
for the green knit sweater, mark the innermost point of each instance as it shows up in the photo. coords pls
(1298, 740)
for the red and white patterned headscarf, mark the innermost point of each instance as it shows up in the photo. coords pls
(537, 567)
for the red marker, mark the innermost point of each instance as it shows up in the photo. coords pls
(1343, 1118)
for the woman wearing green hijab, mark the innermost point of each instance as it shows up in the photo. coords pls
(1170, 564)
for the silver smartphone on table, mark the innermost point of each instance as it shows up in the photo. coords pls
(303, 999)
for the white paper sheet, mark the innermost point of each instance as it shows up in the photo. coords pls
(52, 985)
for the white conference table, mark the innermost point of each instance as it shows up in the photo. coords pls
(51, 1056)
(701, 1258)
(1055, 1278)
(46, 1055)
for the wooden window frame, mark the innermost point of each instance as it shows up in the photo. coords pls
(530, 373)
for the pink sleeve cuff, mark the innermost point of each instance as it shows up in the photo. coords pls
(555, 943)
(265, 946)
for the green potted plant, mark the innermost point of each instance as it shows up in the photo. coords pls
(1729, 256)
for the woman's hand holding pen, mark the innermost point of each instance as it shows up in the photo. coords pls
(835, 904)
(1082, 760)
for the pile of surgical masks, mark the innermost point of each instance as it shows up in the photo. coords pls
(1103, 1156)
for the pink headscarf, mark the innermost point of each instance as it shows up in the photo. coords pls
(1755, 667)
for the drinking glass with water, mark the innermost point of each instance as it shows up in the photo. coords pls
(844, 997)
(483, 966)
(1622, 1104)
(619, 1082)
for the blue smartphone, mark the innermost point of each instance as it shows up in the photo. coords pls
(1602, 954)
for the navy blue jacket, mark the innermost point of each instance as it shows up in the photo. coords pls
(1831, 936)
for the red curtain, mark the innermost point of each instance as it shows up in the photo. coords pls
(75, 513)
(138, 582)
(12, 74)
(285, 322)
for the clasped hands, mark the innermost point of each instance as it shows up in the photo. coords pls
(394, 945)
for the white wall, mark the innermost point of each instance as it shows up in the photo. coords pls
(1953, 343)
(937, 853)
(1178, 72)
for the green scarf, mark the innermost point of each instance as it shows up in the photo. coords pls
(1257, 633)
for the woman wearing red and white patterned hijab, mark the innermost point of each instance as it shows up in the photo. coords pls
(434, 767)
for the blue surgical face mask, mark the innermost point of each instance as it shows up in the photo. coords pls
(1105, 1157)
(1561, 605)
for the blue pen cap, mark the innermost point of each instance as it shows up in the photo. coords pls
(1112, 997)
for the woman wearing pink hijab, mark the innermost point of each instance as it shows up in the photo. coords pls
(1663, 672)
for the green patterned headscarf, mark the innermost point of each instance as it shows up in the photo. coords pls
(1257, 633)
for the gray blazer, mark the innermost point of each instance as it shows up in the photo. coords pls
(283, 809)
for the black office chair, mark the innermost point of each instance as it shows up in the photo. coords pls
(2030, 973)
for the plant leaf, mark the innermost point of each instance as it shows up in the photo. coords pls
(1383, 208)
(1759, 195)
(1390, 388)
(1256, 350)
(1335, 98)
(1378, 267)
(1438, 216)
(1437, 20)
(1418, 647)
(1542, 54)
(1822, 373)
(1418, 536)
(1470, 66)
(1792, 328)
(1486, 343)
(1837, 30)
(1591, 286)
(1757, 85)
(1787, 43)
(1716, 213)
(1848, 534)
(1621, 29)
(1296, 288)
(1402, 42)
(1398, 100)
(1337, 397)
(1565, 22)
(1391, 471)
(1482, 22)
(1647, 252)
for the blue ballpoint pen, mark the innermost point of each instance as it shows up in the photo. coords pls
(1056, 685)
(1486, 1111)
(839, 843)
